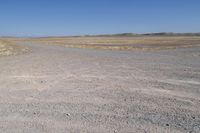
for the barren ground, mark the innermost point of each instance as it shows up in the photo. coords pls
(56, 89)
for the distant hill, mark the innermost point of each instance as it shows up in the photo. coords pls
(172, 34)
(117, 35)
(146, 34)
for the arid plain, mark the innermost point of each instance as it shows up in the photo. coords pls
(100, 84)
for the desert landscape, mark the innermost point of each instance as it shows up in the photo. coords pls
(95, 84)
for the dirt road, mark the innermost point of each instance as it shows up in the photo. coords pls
(56, 89)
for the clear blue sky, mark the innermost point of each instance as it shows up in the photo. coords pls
(74, 17)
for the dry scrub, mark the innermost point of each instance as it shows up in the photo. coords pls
(8, 48)
(119, 43)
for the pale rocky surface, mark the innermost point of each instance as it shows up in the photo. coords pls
(58, 90)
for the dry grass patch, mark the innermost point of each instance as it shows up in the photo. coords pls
(120, 43)
(7, 48)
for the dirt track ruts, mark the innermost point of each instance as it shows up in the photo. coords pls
(56, 89)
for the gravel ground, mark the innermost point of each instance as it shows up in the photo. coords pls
(58, 90)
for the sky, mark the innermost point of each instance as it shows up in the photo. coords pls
(81, 17)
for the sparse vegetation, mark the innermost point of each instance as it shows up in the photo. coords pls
(120, 42)
(8, 48)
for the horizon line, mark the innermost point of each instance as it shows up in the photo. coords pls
(106, 34)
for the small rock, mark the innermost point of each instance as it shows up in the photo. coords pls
(67, 114)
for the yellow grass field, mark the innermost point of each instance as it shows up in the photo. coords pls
(120, 43)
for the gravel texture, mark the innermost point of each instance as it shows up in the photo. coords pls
(58, 90)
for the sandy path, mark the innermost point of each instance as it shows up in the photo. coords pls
(55, 89)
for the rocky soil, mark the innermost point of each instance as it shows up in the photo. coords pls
(54, 89)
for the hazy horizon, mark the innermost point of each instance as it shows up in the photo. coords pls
(92, 17)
